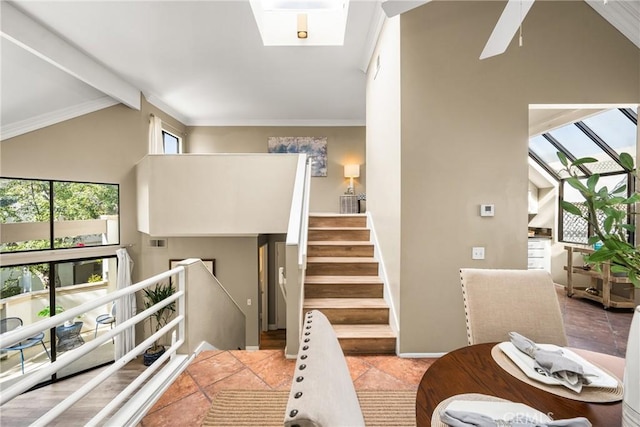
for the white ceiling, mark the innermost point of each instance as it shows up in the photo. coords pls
(201, 61)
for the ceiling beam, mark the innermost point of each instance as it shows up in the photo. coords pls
(396, 7)
(22, 30)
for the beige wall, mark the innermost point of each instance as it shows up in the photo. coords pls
(383, 153)
(344, 145)
(216, 194)
(236, 265)
(103, 146)
(464, 141)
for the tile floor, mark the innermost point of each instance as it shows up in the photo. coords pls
(187, 401)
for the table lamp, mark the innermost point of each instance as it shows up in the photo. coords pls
(351, 171)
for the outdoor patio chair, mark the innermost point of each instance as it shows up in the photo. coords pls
(11, 323)
(106, 319)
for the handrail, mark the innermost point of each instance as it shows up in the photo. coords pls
(304, 226)
(178, 324)
(296, 214)
(10, 338)
(296, 253)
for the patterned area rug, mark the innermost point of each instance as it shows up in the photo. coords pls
(265, 408)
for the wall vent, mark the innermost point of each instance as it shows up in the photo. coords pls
(158, 243)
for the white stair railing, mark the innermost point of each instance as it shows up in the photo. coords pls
(296, 254)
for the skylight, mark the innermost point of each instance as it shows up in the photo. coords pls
(277, 21)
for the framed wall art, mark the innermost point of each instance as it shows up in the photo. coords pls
(314, 147)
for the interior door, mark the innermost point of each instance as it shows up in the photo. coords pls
(263, 280)
(281, 303)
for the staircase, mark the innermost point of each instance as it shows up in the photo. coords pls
(342, 282)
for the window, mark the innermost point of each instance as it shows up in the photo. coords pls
(36, 214)
(603, 136)
(29, 291)
(575, 229)
(172, 144)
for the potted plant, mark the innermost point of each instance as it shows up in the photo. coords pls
(611, 244)
(159, 318)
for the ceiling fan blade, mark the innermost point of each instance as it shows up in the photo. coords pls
(509, 22)
(396, 7)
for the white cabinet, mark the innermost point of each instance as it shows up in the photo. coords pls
(539, 253)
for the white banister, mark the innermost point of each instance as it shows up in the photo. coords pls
(96, 381)
(10, 338)
(296, 253)
(176, 325)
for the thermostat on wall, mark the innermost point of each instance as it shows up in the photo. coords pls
(487, 210)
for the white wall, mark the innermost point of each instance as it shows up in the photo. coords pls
(208, 194)
(383, 151)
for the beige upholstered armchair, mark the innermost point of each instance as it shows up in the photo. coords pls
(497, 302)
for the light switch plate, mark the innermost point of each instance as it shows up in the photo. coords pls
(477, 252)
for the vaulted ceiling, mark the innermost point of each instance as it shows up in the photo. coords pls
(201, 61)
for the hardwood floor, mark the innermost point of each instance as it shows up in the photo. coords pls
(187, 401)
(273, 340)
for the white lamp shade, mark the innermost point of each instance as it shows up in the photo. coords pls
(351, 171)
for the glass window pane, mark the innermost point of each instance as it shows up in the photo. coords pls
(85, 214)
(77, 282)
(23, 295)
(615, 129)
(24, 215)
(580, 145)
(171, 143)
(547, 153)
(574, 228)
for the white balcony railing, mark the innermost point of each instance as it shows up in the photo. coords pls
(132, 412)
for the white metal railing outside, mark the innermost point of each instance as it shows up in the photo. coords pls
(13, 337)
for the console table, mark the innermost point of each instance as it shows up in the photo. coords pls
(348, 204)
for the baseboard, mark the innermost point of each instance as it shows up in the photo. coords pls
(421, 355)
(252, 348)
(273, 327)
(203, 346)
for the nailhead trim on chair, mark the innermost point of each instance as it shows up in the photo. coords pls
(333, 390)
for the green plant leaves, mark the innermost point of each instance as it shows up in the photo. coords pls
(606, 212)
(627, 161)
(570, 207)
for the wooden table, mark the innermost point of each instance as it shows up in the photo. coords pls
(473, 370)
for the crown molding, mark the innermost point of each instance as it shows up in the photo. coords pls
(43, 120)
(282, 123)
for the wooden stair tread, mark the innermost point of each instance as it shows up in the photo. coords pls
(335, 215)
(340, 243)
(328, 280)
(348, 303)
(341, 260)
(337, 228)
(364, 331)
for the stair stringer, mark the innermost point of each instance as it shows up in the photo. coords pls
(382, 272)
